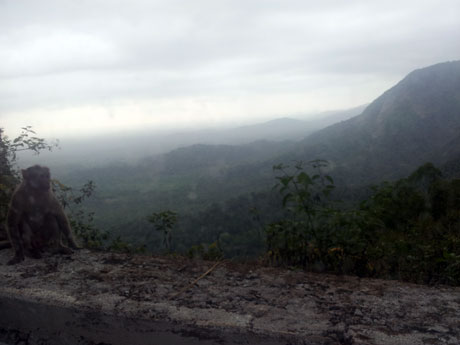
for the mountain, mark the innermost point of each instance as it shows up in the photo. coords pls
(415, 121)
(135, 145)
(279, 129)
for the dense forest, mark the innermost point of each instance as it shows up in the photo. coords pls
(358, 197)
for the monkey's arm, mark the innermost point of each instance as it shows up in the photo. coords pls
(64, 226)
(14, 234)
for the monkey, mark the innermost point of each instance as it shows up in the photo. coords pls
(35, 219)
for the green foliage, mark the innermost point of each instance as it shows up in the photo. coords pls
(121, 246)
(205, 251)
(422, 246)
(408, 229)
(164, 222)
(26, 141)
(236, 225)
(9, 171)
(300, 238)
(81, 221)
(305, 194)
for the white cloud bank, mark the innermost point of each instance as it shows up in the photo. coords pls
(75, 67)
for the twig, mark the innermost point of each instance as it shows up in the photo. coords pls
(196, 280)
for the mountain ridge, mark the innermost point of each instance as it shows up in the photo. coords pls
(408, 124)
(135, 146)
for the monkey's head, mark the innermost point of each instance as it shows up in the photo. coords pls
(37, 177)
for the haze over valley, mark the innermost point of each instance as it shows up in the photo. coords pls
(131, 146)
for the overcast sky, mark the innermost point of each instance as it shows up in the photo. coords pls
(83, 66)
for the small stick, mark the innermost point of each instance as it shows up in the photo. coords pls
(196, 280)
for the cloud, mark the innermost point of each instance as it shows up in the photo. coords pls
(234, 54)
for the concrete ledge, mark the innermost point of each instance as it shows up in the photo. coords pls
(104, 298)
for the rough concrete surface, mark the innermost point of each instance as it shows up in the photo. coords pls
(105, 298)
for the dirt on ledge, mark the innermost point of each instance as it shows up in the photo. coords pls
(232, 304)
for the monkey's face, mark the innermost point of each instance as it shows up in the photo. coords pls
(37, 177)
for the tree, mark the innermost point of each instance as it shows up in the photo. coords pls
(302, 236)
(164, 221)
